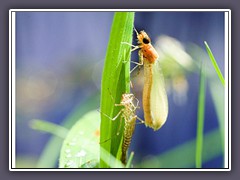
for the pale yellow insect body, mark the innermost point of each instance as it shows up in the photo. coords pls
(155, 103)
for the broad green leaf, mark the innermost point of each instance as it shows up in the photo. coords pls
(81, 146)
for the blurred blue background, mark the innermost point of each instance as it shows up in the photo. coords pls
(59, 62)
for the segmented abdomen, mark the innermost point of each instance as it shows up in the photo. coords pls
(127, 137)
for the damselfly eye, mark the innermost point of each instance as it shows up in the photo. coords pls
(145, 41)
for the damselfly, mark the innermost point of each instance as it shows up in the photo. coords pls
(155, 103)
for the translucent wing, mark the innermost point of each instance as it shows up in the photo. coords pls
(158, 98)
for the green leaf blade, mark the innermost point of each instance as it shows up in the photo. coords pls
(115, 79)
(200, 119)
(49, 127)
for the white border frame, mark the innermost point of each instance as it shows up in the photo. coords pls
(12, 86)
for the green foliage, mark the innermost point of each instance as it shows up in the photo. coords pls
(200, 119)
(115, 81)
(183, 156)
(86, 147)
(81, 146)
(216, 88)
(214, 63)
(201, 104)
(128, 165)
(218, 96)
(50, 154)
(48, 127)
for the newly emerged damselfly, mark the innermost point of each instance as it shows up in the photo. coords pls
(155, 103)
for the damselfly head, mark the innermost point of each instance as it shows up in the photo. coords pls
(143, 38)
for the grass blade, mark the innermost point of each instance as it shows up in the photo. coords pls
(49, 127)
(218, 96)
(214, 63)
(115, 80)
(200, 119)
(130, 160)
